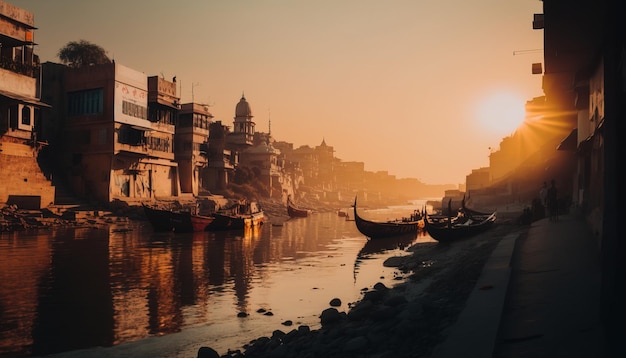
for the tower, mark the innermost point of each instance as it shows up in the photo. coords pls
(243, 131)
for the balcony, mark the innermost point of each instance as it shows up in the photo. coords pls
(19, 67)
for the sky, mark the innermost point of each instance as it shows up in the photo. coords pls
(420, 89)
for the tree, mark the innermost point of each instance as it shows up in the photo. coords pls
(82, 53)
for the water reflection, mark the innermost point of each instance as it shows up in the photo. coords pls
(73, 288)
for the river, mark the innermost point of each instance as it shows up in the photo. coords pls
(123, 290)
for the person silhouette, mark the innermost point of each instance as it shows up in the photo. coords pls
(553, 201)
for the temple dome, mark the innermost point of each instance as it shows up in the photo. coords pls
(243, 108)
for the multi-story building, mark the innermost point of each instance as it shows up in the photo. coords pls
(584, 83)
(23, 182)
(308, 162)
(119, 149)
(326, 161)
(263, 159)
(192, 132)
(222, 161)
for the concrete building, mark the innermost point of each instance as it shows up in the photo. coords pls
(23, 182)
(222, 161)
(119, 149)
(192, 132)
(263, 159)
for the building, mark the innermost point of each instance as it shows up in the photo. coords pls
(119, 148)
(242, 136)
(584, 83)
(23, 181)
(192, 132)
(222, 161)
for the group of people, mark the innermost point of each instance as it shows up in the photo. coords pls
(549, 199)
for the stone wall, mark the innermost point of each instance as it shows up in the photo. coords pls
(21, 179)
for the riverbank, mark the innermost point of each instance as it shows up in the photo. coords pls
(407, 320)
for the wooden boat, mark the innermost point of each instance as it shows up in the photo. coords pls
(200, 222)
(294, 211)
(471, 212)
(450, 229)
(377, 229)
(241, 216)
(174, 220)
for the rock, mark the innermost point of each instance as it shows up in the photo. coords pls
(360, 311)
(379, 286)
(207, 352)
(335, 302)
(407, 320)
(278, 334)
(374, 296)
(329, 316)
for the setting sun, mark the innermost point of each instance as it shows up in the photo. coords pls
(501, 113)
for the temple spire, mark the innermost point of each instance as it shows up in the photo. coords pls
(269, 122)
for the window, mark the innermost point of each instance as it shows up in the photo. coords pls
(85, 103)
(134, 110)
(161, 115)
(130, 136)
(200, 121)
(26, 115)
(160, 144)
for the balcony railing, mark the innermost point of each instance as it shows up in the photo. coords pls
(18, 67)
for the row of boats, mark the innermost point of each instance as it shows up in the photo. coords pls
(237, 217)
(444, 228)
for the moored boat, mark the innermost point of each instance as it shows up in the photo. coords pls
(243, 215)
(294, 211)
(380, 229)
(451, 230)
(475, 214)
(174, 220)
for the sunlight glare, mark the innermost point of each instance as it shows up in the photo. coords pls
(501, 113)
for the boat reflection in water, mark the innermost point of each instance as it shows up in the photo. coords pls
(67, 289)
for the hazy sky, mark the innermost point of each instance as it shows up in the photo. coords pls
(404, 86)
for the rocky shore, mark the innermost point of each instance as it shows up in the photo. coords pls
(407, 320)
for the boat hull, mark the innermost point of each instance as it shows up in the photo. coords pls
(296, 213)
(447, 232)
(375, 230)
(235, 222)
(183, 221)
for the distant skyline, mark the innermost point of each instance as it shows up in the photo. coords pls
(420, 89)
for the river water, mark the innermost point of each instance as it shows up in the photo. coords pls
(123, 290)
